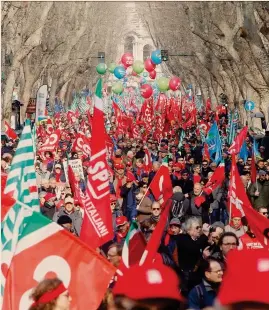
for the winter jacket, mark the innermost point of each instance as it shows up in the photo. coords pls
(48, 210)
(201, 296)
(263, 188)
(75, 216)
(129, 201)
(238, 232)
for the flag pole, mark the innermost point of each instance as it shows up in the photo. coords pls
(142, 198)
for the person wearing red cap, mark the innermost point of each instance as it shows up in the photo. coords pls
(50, 294)
(122, 229)
(156, 287)
(119, 181)
(115, 210)
(246, 281)
(235, 224)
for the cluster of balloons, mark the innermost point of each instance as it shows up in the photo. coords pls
(137, 67)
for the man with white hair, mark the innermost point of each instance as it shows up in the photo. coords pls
(190, 248)
(155, 167)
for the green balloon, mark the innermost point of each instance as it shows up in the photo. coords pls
(138, 66)
(117, 88)
(163, 84)
(101, 68)
(112, 67)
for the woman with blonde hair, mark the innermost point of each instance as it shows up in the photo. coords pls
(50, 294)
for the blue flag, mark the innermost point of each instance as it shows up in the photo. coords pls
(214, 143)
(244, 152)
(255, 148)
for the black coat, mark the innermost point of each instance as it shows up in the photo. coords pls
(189, 251)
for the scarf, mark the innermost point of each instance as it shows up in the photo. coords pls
(119, 185)
(57, 176)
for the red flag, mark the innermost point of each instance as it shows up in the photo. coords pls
(97, 223)
(253, 168)
(155, 239)
(215, 180)
(116, 109)
(49, 127)
(51, 252)
(148, 161)
(82, 143)
(161, 185)
(206, 155)
(130, 176)
(7, 201)
(238, 141)
(10, 132)
(74, 186)
(258, 223)
(52, 142)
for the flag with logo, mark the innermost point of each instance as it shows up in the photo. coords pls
(44, 249)
(238, 141)
(10, 132)
(244, 152)
(97, 226)
(21, 185)
(239, 199)
(233, 121)
(214, 143)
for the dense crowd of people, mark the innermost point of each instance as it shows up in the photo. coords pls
(192, 256)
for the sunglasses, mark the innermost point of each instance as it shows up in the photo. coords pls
(113, 203)
(156, 209)
(264, 213)
(198, 227)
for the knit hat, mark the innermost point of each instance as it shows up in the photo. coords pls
(218, 224)
(175, 221)
(236, 213)
(64, 219)
(155, 281)
(119, 166)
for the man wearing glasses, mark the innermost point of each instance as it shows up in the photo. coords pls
(204, 294)
(190, 247)
(263, 211)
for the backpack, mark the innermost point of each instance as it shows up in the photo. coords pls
(177, 209)
(200, 294)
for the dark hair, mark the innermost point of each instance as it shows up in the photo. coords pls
(118, 247)
(228, 234)
(163, 303)
(205, 263)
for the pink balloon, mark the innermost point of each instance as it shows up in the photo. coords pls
(127, 59)
(146, 91)
(174, 83)
(149, 65)
(152, 74)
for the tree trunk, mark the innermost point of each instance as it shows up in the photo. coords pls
(52, 94)
(7, 97)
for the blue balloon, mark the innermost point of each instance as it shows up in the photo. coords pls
(119, 72)
(156, 57)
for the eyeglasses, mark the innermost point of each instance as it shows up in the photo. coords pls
(156, 209)
(198, 227)
(216, 271)
(230, 244)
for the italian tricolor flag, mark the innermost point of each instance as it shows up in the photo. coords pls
(133, 247)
